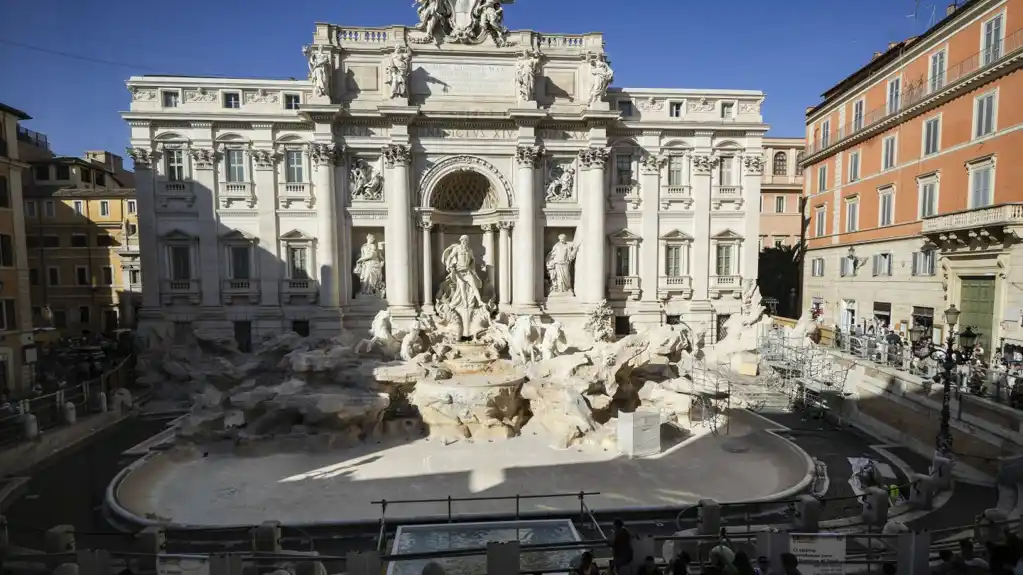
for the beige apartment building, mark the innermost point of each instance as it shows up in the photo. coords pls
(82, 236)
(17, 344)
(781, 191)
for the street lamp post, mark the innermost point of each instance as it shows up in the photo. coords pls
(946, 355)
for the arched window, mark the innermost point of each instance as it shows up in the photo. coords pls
(781, 164)
(799, 163)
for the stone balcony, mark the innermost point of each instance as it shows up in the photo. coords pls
(292, 192)
(624, 287)
(189, 291)
(674, 286)
(721, 195)
(992, 224)
(298, 291)
(240, 291)
(627, 194)
(232, 193)
(681, 195)
(176, 191)
(721, 285)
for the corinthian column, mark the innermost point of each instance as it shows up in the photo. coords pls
(525, 234)
(149, 245)
(397, 253)
(204, 160)
(325, 156)
(593, 244)
(427, 264)
(504, 261)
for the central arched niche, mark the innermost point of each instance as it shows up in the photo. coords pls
(463, 191)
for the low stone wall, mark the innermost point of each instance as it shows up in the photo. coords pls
(23, 456)
(906, 409)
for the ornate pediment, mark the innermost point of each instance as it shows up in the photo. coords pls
(177, 235)
(238, 236)
(726, 235)
(623, 236)
(677, 236)
(297, 236)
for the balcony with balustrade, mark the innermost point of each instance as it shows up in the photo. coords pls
(722, 285)
(231, 193)
(181, 291)
(669, 287)
(979, 226)
(297, 291)
(175, 191)
(681, 195)
(722, 195)
(295, 192)
(627, 194)
(624, 287)
(240, 291)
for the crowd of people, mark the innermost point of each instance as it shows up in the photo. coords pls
(1004, 558)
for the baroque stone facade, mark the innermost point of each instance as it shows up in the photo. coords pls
(293, 204)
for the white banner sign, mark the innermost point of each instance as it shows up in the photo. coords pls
(819, 553)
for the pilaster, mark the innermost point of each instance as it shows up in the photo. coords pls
(593, 247)
(149, 245)
(265, 161)
(525, 237)
(753, 170)
(324, 156)
(398, 251)
(650, 187)
(204, 163)
(700, 179)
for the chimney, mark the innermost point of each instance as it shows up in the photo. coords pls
(951, 8)
(892, 45)
(876, 56)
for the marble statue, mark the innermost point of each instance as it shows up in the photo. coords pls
(370, 269)
(460, 291)
(319, 71)
(412, 343)
(523, 338)
(601, 75)
(380, 333)
(366, 181)
(490, 15)
(526, 68)
(462, 21)
(396, 75)
(559, 265)
(553, 334)
(433, 14)
(600, 322)
(561, 185)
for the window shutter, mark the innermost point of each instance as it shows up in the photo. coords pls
(916, 265)
(874, 264)
(888, 264)
(842, 266)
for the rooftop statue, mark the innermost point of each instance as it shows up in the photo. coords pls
(463, 21)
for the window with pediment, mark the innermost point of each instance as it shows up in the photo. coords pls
(624, 253)
(239, 255)
(298, 249)
(726, 249)
(675, 248)
(179, 256)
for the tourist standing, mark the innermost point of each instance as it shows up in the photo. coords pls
(586, 565)
(680, 564)
(790, 564)
(621, 548)
(743, 565)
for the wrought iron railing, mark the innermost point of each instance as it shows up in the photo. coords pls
(920, 88)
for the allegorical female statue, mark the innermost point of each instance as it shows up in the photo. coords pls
(559, 265)
(370, 268)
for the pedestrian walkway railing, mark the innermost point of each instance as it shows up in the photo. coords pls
(51, 409)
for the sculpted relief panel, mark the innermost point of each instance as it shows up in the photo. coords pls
(463, 79)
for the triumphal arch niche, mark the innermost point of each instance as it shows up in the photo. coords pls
(456, 131)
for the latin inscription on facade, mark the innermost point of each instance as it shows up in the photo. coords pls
(464, 133)
(463, 79)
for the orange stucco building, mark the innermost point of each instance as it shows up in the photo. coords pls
(781, 188)
(912, 176)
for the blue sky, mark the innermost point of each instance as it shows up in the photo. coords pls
(791, 49)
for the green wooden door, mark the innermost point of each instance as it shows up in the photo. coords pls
(977, 302)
